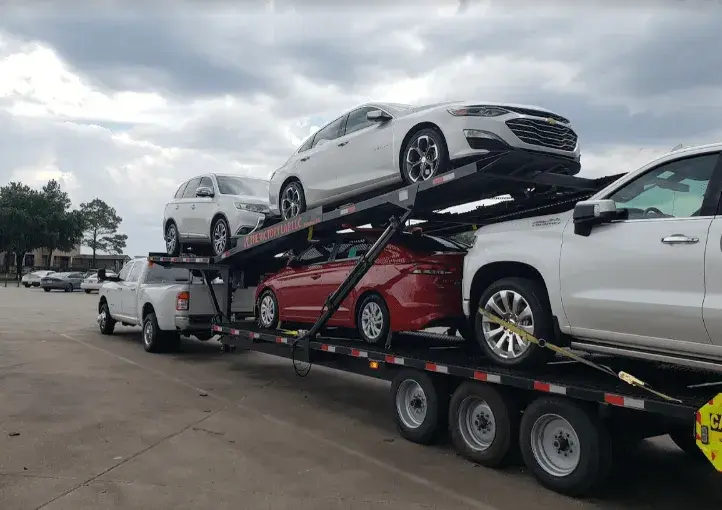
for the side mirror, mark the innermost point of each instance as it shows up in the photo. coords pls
(378, 116)
(589, 213)
(204, 191)
(101, 275)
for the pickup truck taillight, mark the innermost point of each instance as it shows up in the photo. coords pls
(182, 300)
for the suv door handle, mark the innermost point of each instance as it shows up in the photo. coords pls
(343, 143)
(193, 206)
(315, 276)
(680, 239)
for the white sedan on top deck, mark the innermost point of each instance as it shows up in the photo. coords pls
(381, 144)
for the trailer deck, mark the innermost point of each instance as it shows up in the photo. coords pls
(445, 373)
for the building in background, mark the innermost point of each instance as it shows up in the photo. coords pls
(61, 260)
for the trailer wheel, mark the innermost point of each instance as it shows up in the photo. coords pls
(420, 405)
(565, 445)
(484, 425)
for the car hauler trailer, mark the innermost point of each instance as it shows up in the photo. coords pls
(570, 420)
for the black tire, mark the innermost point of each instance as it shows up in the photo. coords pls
(171, 341)
(435, 401)
(374, 303)
(500, 411)
(272, 322)
(443, 164)
(46, 289)
(299, 197)
(594, 448)
(153, 338)
(26, 285)
(69, 288)
(220, 236)
(172, 240)
(107, 324)
(683, 437)
(87, 291)
(535, 295)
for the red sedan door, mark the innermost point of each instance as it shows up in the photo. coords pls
(347, 255)
(301, 294)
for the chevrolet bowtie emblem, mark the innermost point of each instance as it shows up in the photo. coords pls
(551, 121)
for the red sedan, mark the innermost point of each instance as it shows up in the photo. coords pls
(414, 284)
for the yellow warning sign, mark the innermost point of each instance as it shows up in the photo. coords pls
(708, 431)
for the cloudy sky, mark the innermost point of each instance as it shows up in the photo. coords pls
(126, 103)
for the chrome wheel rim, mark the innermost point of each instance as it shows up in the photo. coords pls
(220, 232)
(476, 423)
(511, 307)
(411, 404)
(422, 159)
(148, 333)
(555, 445)
(290, 202)
(372, 320)
(268, 310)
(171, 238)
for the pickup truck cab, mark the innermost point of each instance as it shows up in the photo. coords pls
(166, 302)
(634, 271)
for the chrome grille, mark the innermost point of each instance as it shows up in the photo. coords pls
(544, 133)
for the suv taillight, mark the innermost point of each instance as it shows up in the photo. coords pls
(182, 300)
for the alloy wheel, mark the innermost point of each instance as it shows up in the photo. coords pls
(290, 202)
(372, 320)
(511, 307)
(422, 159)
(220, 233)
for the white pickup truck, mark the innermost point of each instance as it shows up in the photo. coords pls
(166, 302)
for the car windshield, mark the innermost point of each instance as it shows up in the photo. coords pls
(230, 185)
(160, 274)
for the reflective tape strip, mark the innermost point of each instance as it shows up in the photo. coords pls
(483, 376)
(359, 354)
(433, 367)
(394, 360)
(550, 388)
(328, 348)
(619, 401)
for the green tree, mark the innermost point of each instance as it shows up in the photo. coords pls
(62, 228)
(21, 222)
(100, 226)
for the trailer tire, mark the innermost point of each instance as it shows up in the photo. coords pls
(420, 405)
(484, 424)
(565, 445)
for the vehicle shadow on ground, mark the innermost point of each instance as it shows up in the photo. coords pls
(649, 476)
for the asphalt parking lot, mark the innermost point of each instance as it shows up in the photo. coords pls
(93, 422)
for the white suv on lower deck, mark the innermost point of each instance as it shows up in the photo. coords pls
(634, 271)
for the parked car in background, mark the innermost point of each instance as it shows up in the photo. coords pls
(634, 271)
(62, 281)
(91, 282)
(214, 210)
(380, 144)
(33, 279)
(414, 284)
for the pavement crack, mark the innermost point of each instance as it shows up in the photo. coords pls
(129, 458)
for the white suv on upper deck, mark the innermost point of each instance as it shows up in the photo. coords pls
(215, 210)
(634, 271)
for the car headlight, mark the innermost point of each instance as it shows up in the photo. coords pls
(477, 111)
(256, 208)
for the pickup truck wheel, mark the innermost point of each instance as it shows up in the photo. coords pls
(105, 321)
(152, 335)
(523, 302)
(267, 309)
